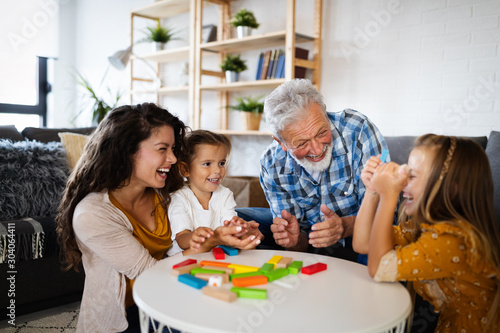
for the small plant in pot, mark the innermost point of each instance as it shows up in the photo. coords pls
(159, 35)
(244, 21)
(251, 111)
(233, 66)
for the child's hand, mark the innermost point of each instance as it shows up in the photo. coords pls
(199, 236)
(368, 170)
(237, 221)
(389, 179)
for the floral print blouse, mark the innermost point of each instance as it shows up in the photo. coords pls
(440, 265)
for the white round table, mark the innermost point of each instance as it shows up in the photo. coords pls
(341, 299)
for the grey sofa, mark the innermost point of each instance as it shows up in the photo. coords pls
(33, 173)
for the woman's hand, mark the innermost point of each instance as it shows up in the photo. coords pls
(226, 236)
(235, 222)
(389, 179)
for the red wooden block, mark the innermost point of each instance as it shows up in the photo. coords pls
(218, 253)
(314, 268)
(185, 263)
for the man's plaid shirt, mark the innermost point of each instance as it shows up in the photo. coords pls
(288, 186)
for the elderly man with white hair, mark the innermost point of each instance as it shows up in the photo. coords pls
(311, 172)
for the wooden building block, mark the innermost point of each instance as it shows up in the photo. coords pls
(192, 281)
(206, 276)
(184, 269)
(267, 267)
(215, 263)
(295, 267)
(207, 271)
(274, 260)
(185, 263)
(243, 269)
(230, 251)
(284, 262)
(276, 274)
(220, 293)
(218, 253)
(314, 268)
(220, 268)
(250, 292)
(249, 281)
(240, 275)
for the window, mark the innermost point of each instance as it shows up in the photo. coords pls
(33, 112)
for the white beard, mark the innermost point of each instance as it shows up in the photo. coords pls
(320, 166)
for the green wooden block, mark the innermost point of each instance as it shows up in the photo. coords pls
(250, 292)
(240, 275)
(276, 274)
(267, 267)
(204, 270)
(295, 267)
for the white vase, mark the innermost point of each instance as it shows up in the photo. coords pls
(158, 46)
(243, 31)
(232, 76)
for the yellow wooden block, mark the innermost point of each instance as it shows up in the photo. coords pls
(284, 262)
(274, 260)
(243, 269)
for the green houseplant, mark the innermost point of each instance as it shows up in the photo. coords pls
(159, 35)
(251, 111)
(99, 107)
(232, 66)
(244, 21)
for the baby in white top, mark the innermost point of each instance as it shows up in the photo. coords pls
(202, 214)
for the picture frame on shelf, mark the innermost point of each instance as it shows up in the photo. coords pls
(209, 33)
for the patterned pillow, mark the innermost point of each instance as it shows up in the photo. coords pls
(73, 144)
(33, 176)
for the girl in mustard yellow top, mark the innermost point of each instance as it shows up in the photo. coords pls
(447, 241)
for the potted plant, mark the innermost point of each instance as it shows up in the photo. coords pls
(233, 66)
(244, 21)
(251, 109)
(99, 108)
(159, 36)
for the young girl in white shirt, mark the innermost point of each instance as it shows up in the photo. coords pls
(202, 211)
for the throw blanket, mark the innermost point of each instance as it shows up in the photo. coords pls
(33, 238)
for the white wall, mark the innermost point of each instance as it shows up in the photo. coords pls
(413, 66)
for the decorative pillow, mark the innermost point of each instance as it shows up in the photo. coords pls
(73, 144)
(33, 176)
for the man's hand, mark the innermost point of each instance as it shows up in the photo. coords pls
(286, 230)
(328, 232)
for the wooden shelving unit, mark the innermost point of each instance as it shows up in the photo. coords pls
(196, 51)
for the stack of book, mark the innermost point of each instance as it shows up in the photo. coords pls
(271, 64)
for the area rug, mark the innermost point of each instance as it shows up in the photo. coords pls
(62, 322)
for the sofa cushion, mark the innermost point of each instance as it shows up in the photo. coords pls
(10, 132)
(493, 152)
(73, 144)
(51, 134)
(32, 178)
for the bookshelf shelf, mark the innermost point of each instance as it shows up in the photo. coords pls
(244, 85)
(177, 54)
(252, 42)
(234, 132)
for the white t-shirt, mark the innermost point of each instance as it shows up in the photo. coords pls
(186, 213)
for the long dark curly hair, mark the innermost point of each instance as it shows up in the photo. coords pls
(106, 164)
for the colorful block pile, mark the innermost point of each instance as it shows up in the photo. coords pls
(210, 275)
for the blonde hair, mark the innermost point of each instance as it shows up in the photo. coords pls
(460, 188)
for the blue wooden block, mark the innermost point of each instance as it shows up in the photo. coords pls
(230, 251)
(384, 155)
(192, 281)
